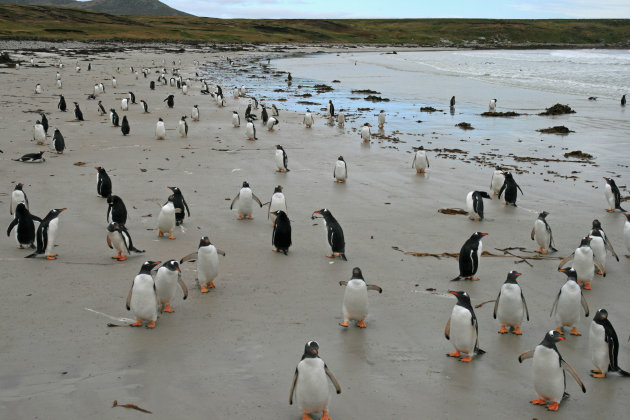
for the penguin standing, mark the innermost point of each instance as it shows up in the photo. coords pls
(469, 257)
(271, 123)
(235, 93)
(46, 235)
(38, 88)
(180, 204)
(607, 244)
(626, 234)
(114, 82)
(274, 110)
(170, 101)
(549, 372)
(160, 130)
(184, 88)
(583, 263)
(510, 306)
(195, 113)
(381, 119)
(310, 383)
(623, 100)
(420, 161)
(145, 106)
(263, 115)
(58, 141)
(183, 127)
(365, 133)
(113, 117)
(452, 102)
(281, 159)
(541, 232)
(277, 202)
(118, 237)
(613, 196)
(334, 234)
(330, 110)
(18, 196)
(39, 135)
(281, 237)
(152, 85)
(124, 127)
(207, 257)
(124, 104)
(118, 210)
(604, 346)
(44, 121)
(474, 204)
(250, 130)
(25, 232)
(77, 112)
(355, 298)
(340, 173)
(341, 118)
(132, 98)
(462, 329)
(168, 276)
(599, 248)
(509, 186)
(308, 119)
(236, 119)
(492, 106)
(101, 108)
(142, 297)
(567, 304)
(245, 199)
(497, 181)
(62, 104)
(166, 218)
(103, 183)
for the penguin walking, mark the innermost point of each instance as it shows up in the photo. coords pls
(355, 299)
(118, 210)
(103, 183)
(166, 218)
(114, 82)
(599, 248)
(195, 113)
(334, 234)
(462, 328)
(365, 133)
(46, 235)
(59, 84)
(250, 130)
(114, 118)
(474, 204)
(236, 119)
(497, 181)
(59, 142)
(25, 232)
(180, 204)
(341, 118)
(583, 263)
(626, 234)
(235, 92)
(160, 130)
(567, 304)
(118, 237)
(38, 88)
(142, 297)
(310, 383)
(340, 173)
(623, 100)
(32, 157)
(271, 123)
(145, 106)
(308, 119)
(381, 119)
(245, 199)
(549, 372)
(62, 104)
(183, 127)
(168, 276)
(613, 196)
(124, 127)
(39, 135)
(510, 306)
(184, 88)
(18, 196)
(281, 159)
(77, 112)
(281, 237)
(420, 161)
(170, 101)
(604, 346)
(263, 115)
(277, 202)
(330, 110)
(101, 108)
(452, 102)
(509, 186)
(44, 121)
(152, 85)
(274, 111)
(607, 244)
(207, 257)
(469, 257)
(132, 98)
(541, 232)
(492, 106)
(124, 104)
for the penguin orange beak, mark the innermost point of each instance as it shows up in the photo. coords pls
(315, 351)
(517, 274)
(317, 211)
(561, 338)
(170, 188)
(63, 209)
(562, 270)
(178, 270)
(453, 292)
(484, 234)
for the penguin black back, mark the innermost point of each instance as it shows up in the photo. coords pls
(125, 126)
(180, 203)
(117, 208)
(103, 183)
(469, 257)
(281, 238)
(509, 187)
(335, 234)
(58, 141)
(62, 104)
(478, 197)
(25, 226)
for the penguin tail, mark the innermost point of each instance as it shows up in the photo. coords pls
(343, 257)
(480, 352)
(623, 372)
(134, 249)
(285, 251)
(34, 254)
(621, 209)
(553, 249)
(458, 278)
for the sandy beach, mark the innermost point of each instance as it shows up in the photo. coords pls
(231, 353)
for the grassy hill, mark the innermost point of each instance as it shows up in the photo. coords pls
(43, 22)
(113, 7)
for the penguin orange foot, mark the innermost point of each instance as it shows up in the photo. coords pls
(474, 278)
(454, 354)
(160, 233)
(138, 323)
(151, 324)
(598, 374)
(121, 259)
(542, 251)
(250, 217)
(503, 330)
(117, 257)
(466, 359)
(306, 417)
(167, 308)
(51, 257)
(539, 401)
(343, 324)
(240, 217)
(361, 324)
(21, 247)
(587, 286)
(610, 210)
(171, 236)
(553, 406)
(627, 255)
(204, 289)
(574, 331)
(559, 329)
(325, 416)
(517, 331)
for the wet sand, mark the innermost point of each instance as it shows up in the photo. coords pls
(231, 353)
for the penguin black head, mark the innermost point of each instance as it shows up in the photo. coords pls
(245, 184)
(147, 266)
(512, 276)
(39, 122)
(170, 198)
(113, 199)
(175, 190)
(597, 224)
(543, 214)
(627, 216)
(600, 316)
(551, 338)
(586, 241)
(183, 117)
(172, 265)
(478, 235)
(278, 189)
(278, 147)
(508, 175)
(356, 273)
(19, 186)
(54, 213)
(234, 112)
(462, 298)
(483, 194)
(100, 169)
(113, 226)
(205, 241)
(596, 232)
(421, 148)
(341, 158)
(280, 215)
(571, 274)
(323, 212)
(20, 209)
(311, 350)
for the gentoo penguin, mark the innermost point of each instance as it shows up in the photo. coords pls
(62, 104)
(613, 196)
(184, 88)
(509, 186)
(168, 276)
(281, 237)
(248, 112)
(58, 76)
(142, 297)
(452, 102)
(462, 328)
(59, 84)
(623, 100)
(114, 82)
(277, 202)
(355, 298)
(604, 346)
(281, 159)
(77, 112)
(180, 203)
(541, 232)
(567, 303)
(170, 101)
(183, 127)
(242, 91)
(207, 257)
(220, 101)
(310, 383)
(583, 263)
(245, 203)
(18, 196)
(330, 110)
(160, 130)
(236, 119)
(101, 108)
(58, 141)
(39, 135)
(510, 305)
(97, 90)
(114, 118)
(340, 173)
(626, 234)
(381, 119)
(334, 234)
(274, 110)
(474, 204)
(492, 105)
(124, 104)
(25, 232)
(38, 88)
(195, 113)
(549, 372)
(101, 87)
(235, 93)
(498, 179)
(365, 133)
(289, 77)
(599, 248)
(118, 210)
(597, 225)
(152, 85)
(118, 237)
(124, 127)
(271, 123)
(103, 183)
(420, 161)
(469, 257)
(89, 66)
(44, 121)
(250, 130)
(166, 218)
(308, 119)
(32, 157)
(341, 118)
(145, 106)
(264, 116)
(46, 235)
(132, 98)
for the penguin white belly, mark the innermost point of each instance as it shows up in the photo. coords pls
(166, 219)
(160, 131)
(308, 120)
(165, 284)
(278, 202)
(510, 309)
(626, 235)
(311, 389)
(340, 171)
(355, 301)
(235, 121)
(53, 226)
(118, 242)
(39, 134)
(463, 334)
(207, 264)
(540, 233)
(598, 347)
(249, 131)
(17, 197)
(599, 249)
(341, 118)
(143, 300)
(123, 105)
(497, 181)
(245, 202)
(548, 374)
(569, 304)
(381, 120)
(365, 133)
(583, 264)
(470, 207)
(279, 158)
(610, 197)
(421, 160)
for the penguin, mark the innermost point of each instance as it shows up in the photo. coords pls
(541, 232)
(567, 304)
(355, 299)
(604, 346)
(452, 102)
(277, 202)
(281, 159)
(281, 237)
(271, 123)
(77, 112)
(89, 66)
(626, 234)
(334, 234)
(124, 127)
(166, 219)
(183, 127)
(118, 210)
(132, 97)
(160, 130)
(38, 88)
(124, 104)
(152, 85)
(330, 109)
(145, 106)
(310, 383)
(250, 130)
(597, 225)
(613, 196)
(236, 119)
(180, 204)
(18, 196)
(510, 305)
(97, 90)
(381, 119)
(235, 93)
(39, 135)
(59, 84)
(58, 76)
(103, 183)
(474, 204)
(62, 104)
(32, 157)
(341, 118)
(118, 237)
(420, 161)
(113, 117)
(274, 110)
(289, 77)
(248, 113)
(44, 121)
(308, 119)
(245, 204)
(583, 263)
(114, 82)
(25, 232)
(509, 186)
(492, 106)
(255, 102)
(207, 257)
(220, 102)
(58, 141)
(101, 108)
(497, 181)
(599, 248)
(623, 100)
(243, 91)
(46, 235)
(462, 328)
(168, 276)
(142, 297)
(469, 257)
(549, 372)
(365, 133)
(340, 173)
(170, 101)
(264, 116)
(195, 113)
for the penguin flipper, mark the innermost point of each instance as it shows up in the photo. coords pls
(11, 226)
(458, 278)
(496, 306)
(565, 260)
(343, 257)
(332, 379)
(599, 266)
(375, 287)
(525, 305)
(427, 159)
(34, 254)
(234, 201)
(573, 373)
(532, 234)
(502, 189)
(220, 252)
(609, 247)
(613, 345)
(109, 242)
(584, 304)
(414, 161)
(182, 285)
(257, 200)
(525, 355)
(128, 301)
(293, 382)
(519, 188)
(447, 329)
(343, 283)
(189, 257)
(555, 303)
(186, 205)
